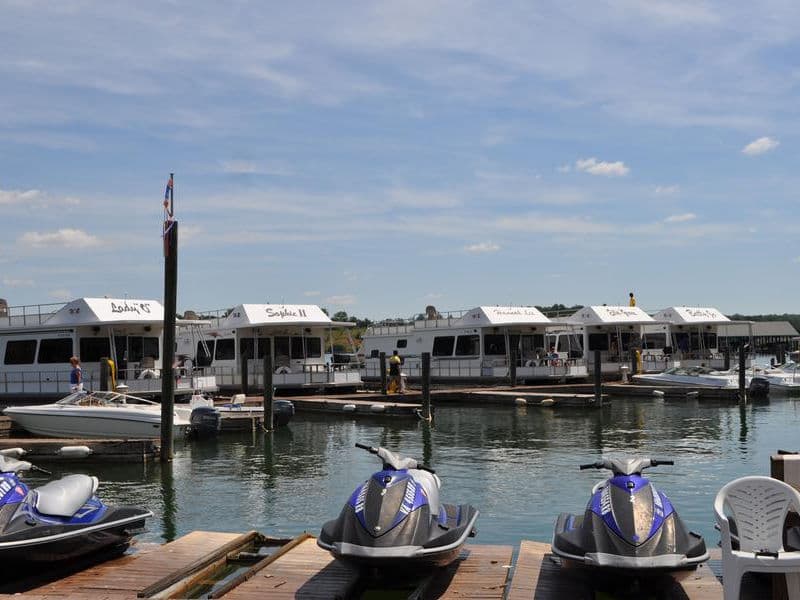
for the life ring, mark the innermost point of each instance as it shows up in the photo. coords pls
(282, 370)
(148, 374)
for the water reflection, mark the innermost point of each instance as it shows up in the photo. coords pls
(519, 465)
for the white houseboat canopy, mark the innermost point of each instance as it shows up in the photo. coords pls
(610, 315)
(95, 311)
(691, 315)
(263, 315)
(504, 315)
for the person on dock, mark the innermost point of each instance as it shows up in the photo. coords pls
(632, 300)
(394, 372)
(75, 375)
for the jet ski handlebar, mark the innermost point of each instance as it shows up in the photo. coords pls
(626, 466)
(394, 461)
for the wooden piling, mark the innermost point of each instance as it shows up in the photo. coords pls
(384, 382)
(512, 367)
(426, 386)
(170, 303)
(598, 379)
(726, 366)
(781, 354)
(104, 374)
(742, 374)
(243, 372)
(269, 392)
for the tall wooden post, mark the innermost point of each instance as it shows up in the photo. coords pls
(268, 392)
(512, 366)
(244, 374)
(104, 374)
(742, 373)
(170, 302)
(384, 383)
(781, 355)
(726, 366)
(598, 379)
(427, 413)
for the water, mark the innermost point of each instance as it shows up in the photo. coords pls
(518, 465)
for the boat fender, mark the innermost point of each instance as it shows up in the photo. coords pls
(147, 374)
(658, 393)
(520, 401)
(349, 408)
(74, 451)
(548, 402)
(376, 408)
(283, 371)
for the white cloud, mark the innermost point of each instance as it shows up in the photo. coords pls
(682, 218)
(64, 238)
(760, 146)
(667, 190)
(246, 167)
(433, 296)
(18, 196)
(406, 198)
(311, 293)
(482, 248)
(564, 168)
(596, 167)
(342, 300)
(17, 282)
(796, 259)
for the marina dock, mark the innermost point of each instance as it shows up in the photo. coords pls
(189, 567)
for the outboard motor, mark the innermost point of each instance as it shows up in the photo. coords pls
(395, 519)
(205, 422)
(758, 388)
(282, 412)
(628, 526)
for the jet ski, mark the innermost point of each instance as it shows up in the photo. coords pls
(628, 526)
(395, 520)
(60, 520)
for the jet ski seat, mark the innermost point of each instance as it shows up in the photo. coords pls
(63, 497)
(430, 485)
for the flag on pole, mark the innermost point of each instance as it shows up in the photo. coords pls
(169, 219)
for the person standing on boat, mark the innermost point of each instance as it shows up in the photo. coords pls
(394, 372)
(632, 301)
(75, 375)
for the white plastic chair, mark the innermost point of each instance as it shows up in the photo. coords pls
(758, 506)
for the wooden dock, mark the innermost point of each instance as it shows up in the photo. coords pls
(514, 397)
(48, 449)
(363, 404)
(301, 570)
(671, 392)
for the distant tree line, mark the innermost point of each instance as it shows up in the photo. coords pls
(794, 319)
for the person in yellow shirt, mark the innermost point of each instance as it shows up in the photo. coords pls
(394, 372)
(632, 301)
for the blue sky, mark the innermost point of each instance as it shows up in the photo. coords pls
(376, 157)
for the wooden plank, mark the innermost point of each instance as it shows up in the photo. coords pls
(124, 577)
(479, 573)
(306, 572)
(102, 449)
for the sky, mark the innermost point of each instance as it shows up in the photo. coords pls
(377, 157)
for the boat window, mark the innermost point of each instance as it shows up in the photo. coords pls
(226, 350)
(468, 345)
(150, 346)
(654, 341)
(202, 357)
(530, 344)
(298, 352)
(281, 350)
(55, 350)
(598, 341)
(246, 346)
(402, 343)
(494, 345)
(710, 340)
(20, 352)
(93, 349)
(443, 345)
(313, 347)
(139, 347)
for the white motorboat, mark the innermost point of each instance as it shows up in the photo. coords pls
(782, 378)
(98, 415)
(693, 376)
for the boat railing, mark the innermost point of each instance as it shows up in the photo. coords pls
(28, 315)
(290, 376)
(399, 327)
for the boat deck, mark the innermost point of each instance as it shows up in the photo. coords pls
(301, 570)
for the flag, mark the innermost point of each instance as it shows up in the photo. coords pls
(168, 192)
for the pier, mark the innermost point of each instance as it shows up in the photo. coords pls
(200, 563)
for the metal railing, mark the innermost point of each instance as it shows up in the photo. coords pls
(28, 314)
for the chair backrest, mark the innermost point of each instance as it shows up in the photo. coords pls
(759, 506)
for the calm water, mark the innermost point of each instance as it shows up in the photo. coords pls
(517, 465)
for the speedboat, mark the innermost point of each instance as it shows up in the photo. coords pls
(61, 520)
(98, 415)
(394, 520)
(693, 376)
(782, 378)
(628, 526)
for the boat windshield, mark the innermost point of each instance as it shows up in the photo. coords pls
(102, 399)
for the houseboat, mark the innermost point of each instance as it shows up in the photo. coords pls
(37, 341)
(478, 346)
(692, 336)
(293, 335)
(616, 333)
